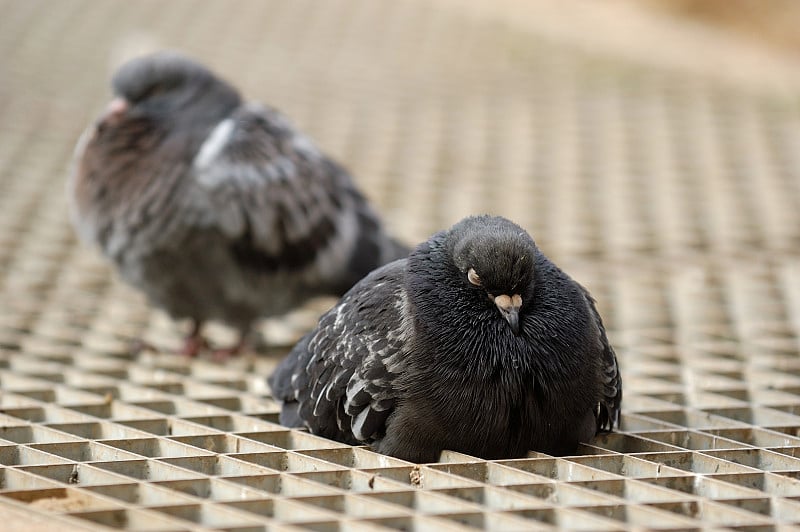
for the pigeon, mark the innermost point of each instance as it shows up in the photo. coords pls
(476, 343)
(215, 208)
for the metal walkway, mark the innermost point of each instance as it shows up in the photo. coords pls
(673, 193)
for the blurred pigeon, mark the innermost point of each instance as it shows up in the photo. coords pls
(214, 208)
(475, 343)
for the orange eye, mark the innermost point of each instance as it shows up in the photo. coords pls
(473, 277)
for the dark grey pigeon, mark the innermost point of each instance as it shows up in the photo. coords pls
(475, 343)
(215, 208)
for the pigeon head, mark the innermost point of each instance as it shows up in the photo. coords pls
(495, 258)
(169, 86)
(483, 265)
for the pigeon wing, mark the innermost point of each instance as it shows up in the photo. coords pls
(268, 189)
(609, 406)
(339, 381)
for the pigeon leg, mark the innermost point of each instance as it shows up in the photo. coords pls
(223, 354)
(194, 342)
(137, 347)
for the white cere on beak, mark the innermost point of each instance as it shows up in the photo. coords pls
(114, 110)
(509, 308)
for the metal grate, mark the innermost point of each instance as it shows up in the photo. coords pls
(673, 194)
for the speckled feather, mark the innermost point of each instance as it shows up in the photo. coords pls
(414, 359)
(218, 209)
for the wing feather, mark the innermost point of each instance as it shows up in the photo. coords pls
(268, 189)
(337, 377)
(609, 406)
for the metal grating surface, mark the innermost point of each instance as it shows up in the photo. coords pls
(673, 195)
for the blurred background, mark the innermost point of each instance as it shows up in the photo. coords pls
(632, 139)
(652, 149)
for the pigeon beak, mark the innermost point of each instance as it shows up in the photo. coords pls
(509, 308)
(115, 109)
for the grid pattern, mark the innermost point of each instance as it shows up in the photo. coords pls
(672, 194)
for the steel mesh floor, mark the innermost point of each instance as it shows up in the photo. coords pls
(673, 194)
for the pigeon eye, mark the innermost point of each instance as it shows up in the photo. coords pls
(473, 277)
